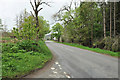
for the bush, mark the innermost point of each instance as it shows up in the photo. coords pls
(109, 44)
(6, 47)
(25, 45)
(115, 46)
(28, 45)
(14, 49)
(22, 51)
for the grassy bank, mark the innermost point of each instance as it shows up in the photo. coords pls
(6, 38)
(21, 58)
(116, 54)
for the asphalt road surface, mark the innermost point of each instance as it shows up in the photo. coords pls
(72, 62)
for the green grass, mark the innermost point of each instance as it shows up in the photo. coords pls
(19, 64)
(116, 54)
(5, 38)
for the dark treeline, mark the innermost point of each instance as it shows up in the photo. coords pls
(92, 24)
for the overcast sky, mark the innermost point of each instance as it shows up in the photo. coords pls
(10, 8)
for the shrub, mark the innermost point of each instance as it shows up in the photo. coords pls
(25, 45)
(14, 49)
(115, 45)
(6, 47)
(109, 44)
(28, 45)
(22, 51)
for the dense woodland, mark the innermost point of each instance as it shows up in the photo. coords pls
(92, 24)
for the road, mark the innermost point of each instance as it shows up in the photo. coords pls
(72, 62)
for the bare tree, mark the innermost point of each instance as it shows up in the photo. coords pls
(36, 9)
(67, 8)
(20, 18)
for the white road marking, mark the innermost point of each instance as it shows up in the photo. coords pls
(67, 76)
(65, 73)
(52, 68)
(59, 65)
(56, 63)
(55, 72)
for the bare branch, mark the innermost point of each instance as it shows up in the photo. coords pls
(60, 12)
(45, 3)
(32, 14)
(35, 2)
(75, 5)
(65, 8)
(40, 9)
(39, 1)
(70, 4)
(32, 5)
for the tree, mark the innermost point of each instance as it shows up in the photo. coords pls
(110, 18)
(86, 18)
(36, 10)
(104, 20)
(20, 18)
(66, 15)
(87, 23)
(114, 20)
(1, 26)
(117, 18)
(44, 27)
(57, 29)
(28, 29)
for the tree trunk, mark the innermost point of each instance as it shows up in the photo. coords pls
(58, 39)
(37, 25)
(36, 17)
(91, 35)
(114, 21)
(104, 20)
(110, 19)
(72, 40)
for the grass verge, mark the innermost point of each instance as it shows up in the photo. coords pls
(5, 38)
(17, 62)
(116, 54)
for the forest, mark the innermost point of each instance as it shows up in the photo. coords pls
(92, 24)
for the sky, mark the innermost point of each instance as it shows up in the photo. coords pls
(9, 9)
